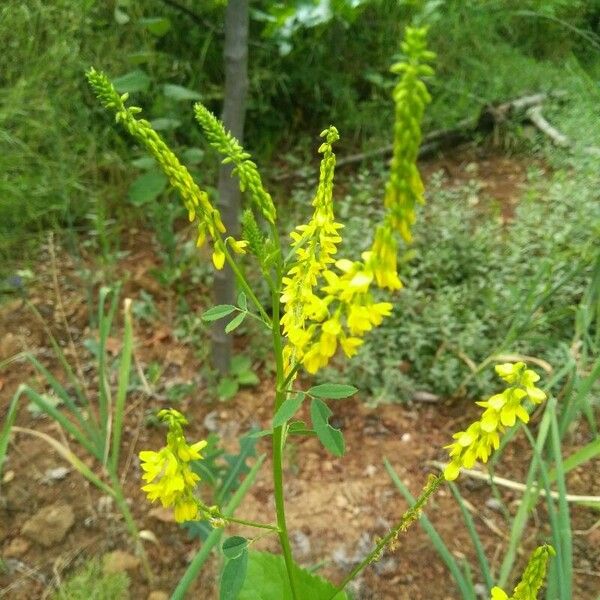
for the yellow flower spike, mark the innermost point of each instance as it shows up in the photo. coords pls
(481, 438)
(168, 473)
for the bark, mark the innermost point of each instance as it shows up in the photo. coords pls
(234, 112)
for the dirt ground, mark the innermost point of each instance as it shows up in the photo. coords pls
(336, 507)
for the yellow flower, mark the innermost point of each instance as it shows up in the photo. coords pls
(501, 410)
(218, 258)
(168, 473)
(498, 594)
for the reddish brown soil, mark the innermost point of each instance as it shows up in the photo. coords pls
(331, 502)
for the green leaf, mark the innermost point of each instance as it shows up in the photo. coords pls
(138, 58)
(267, 579)
(218, 312)
(192, 156)
(147, 188)
(242, 302)
(134, 81)
(248, 378)
(143, 163)
(157, 26)
(288, 409)
(121, 17)
(240, 363)
(227, 388)
(234, 546)
(334, 391)
(299, 428)
(330, 437)
(235, 322)
(164, 124)
(233, 576)
(178, 92)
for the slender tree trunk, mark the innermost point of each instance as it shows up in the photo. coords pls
(234, 112)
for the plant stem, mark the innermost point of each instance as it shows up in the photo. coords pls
(252, 523)
(411, 515)
(242, 280)
(278, 449)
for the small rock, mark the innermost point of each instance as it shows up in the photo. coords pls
(406, 437)
(494, 504)
(370, 470)
(49, 525)
(8, 476)
(105, 504)
(56, 474)
(9, 345)
(158, 595)
(211, 421)
(119, 561)
(16, 548)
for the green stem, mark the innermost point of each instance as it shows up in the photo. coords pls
(252, 523)
(411, 515)
(278, 450)
(246, 287)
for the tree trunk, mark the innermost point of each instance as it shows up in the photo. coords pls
(234, 112)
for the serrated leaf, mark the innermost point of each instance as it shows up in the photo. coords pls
(157, 26)
(334, 391)
(242, 302)
(218, 312)
(146, 188)
(267, 579)
(178, 92)
(134, 81)
(233, 576)
(227, 388)
(330, 437)
(235, 322)
(234, 546)
(288, 409)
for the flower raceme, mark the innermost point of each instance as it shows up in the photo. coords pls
(196, 201)
(501, 410)
(167, 472)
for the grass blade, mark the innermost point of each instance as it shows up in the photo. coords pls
(122, 385)
(484, 565)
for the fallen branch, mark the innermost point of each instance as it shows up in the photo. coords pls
(490, 117)
(534, 114)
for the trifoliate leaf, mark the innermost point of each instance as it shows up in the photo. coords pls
(334, 391)
(330, 437)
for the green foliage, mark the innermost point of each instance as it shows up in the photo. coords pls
(475, 287)
(90, 583)
(267, 579)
